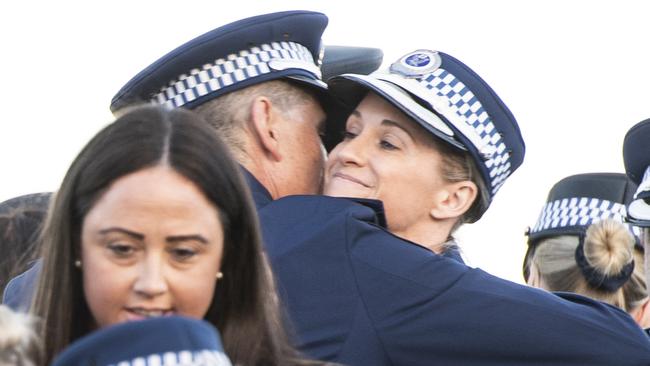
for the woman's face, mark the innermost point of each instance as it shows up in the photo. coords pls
(150, 246)
(386, 156)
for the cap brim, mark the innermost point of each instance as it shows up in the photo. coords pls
(638, 211)
(351, 88)
(309, 81)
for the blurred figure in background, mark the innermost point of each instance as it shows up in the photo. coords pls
(21, 219)
(19, 343)
(581, 244)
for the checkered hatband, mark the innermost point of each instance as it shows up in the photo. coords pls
(568, 212)
(235, 68)
(464, 108)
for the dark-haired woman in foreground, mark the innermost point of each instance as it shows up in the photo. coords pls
(154, 219)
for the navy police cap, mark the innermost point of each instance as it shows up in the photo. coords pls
(157, 341)
(246, 52)
(450, 101)
(636, 156)
(350, 59)
(577, 201)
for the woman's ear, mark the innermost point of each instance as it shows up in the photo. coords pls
(454, 200)
(263, 126)
(641, 314)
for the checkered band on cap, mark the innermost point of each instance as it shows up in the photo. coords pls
(582, 211)
(235, 68)
(464, 104)
(182, 358)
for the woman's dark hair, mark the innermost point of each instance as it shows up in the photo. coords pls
(244, 307)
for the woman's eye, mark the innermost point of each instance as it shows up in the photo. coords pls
(183, 253)
(347, 135)
(387, 145)
(121, 250)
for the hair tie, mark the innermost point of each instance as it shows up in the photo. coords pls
(597, 279)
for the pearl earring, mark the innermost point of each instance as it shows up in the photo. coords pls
(77, 263)
(219, 275)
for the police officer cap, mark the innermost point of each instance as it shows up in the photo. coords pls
(246, 52)
(348, 59)
(577, 201)
(450, 101)
(157, 341)
(637, 166)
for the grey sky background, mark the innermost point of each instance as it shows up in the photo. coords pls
(576, 75)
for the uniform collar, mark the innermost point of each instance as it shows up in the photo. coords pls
(261, 195)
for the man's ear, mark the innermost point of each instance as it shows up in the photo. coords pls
(454, 200)
(263, 125)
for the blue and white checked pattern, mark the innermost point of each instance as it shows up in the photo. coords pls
(581, 211)
(183, 358)
(234, 68)
(465, 104)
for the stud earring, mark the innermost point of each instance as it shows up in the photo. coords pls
(77, 263)
(219, 275)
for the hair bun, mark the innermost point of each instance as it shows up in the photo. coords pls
(608, 247)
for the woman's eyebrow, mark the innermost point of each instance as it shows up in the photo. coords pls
(182, 238)
(388, 122)
(130, 233)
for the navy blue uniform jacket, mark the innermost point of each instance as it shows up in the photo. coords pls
(359, 295)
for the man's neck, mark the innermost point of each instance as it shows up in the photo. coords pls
(262, 175)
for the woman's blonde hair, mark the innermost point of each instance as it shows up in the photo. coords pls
(608, 247)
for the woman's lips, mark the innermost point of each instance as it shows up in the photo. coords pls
(136, 313)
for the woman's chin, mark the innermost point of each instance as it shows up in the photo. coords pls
(353, 193)
(339, 187)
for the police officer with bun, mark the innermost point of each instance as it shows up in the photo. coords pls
(582, 244)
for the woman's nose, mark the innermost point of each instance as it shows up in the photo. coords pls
(352, 151)
(151, 279)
